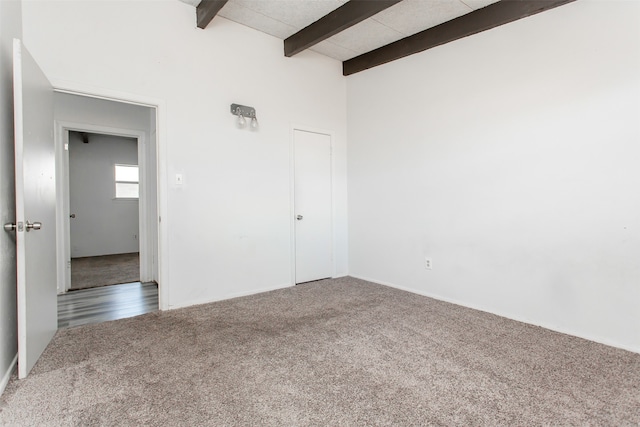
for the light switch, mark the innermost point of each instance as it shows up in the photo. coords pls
(178, 179)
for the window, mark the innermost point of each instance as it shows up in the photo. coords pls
(127, 182)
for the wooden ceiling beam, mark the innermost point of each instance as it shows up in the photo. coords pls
(207, 10)
(345, 16)
(492, 16)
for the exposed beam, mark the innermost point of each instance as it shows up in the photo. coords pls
(207, 10)
(345, 16)
(492, 16)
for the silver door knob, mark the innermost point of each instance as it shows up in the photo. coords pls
(33, 225)
(9, 227)
(299, 217)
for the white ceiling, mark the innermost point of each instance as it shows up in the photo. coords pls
(282, 18)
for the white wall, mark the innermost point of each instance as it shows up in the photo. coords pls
(229, 225)
(10, 27)
(102, 225)
(103, 113)
(512, 159)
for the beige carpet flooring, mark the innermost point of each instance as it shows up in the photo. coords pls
(92, 272)
(338, 352)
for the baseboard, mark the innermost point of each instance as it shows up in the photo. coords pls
(7, 375)
(511, 317)
(230, 296)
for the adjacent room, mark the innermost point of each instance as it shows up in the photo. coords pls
(104, 192)
(416, 212)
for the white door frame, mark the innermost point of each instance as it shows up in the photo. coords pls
(161, 159)
(62, 129)
(292, 197)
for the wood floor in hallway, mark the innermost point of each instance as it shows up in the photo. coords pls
(114, 302)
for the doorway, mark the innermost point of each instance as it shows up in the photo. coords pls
(104, 183)
(107, 192)
(312, 206)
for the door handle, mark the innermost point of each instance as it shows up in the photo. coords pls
(33, 225)
(9, 227)
(299, 217)
(72, 216)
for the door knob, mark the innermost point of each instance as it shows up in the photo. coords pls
(72, 216)
(299, 217)
(9, 227)
(33, 225)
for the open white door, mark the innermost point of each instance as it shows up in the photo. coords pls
(312, 200)
(35, 208)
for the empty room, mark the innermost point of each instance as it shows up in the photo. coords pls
(415, 212)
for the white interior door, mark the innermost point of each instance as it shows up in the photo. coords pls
(35, 208)
(312, 196)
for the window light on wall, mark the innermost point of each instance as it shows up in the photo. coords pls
(127, 181)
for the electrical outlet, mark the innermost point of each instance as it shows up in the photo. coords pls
(428, 264)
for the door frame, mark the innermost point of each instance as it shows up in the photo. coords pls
(292, 196)
(63, 193)
(161, 167)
